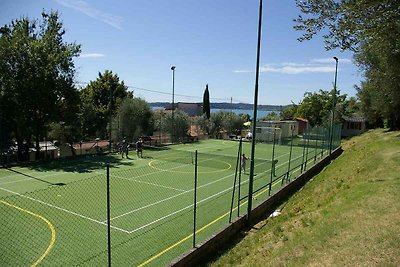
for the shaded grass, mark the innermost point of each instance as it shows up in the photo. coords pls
(348, 215)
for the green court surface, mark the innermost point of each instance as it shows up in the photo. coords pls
(55, 213)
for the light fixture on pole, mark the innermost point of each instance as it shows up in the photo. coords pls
(173, 103)
(333, 106)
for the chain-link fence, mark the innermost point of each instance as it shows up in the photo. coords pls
(151, 214)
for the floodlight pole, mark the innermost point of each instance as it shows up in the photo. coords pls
(251, 178)
(173, 103)
(333, 106)
(111, 96)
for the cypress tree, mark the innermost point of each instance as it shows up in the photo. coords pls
(206, 102)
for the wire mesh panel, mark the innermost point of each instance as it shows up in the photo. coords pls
(151, 210)
(58, 226)
(152, 203)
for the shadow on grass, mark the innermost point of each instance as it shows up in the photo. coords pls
(79, 164)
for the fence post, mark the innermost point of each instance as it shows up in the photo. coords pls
(234, 182)
(304, 151)
(108, 216)
(308, 142)
(195, 200)
(290, 159)
(316, 143)
(273, 166)
(240, 179)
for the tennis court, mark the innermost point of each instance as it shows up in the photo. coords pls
(55, 213)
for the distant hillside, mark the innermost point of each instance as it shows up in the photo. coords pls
(229, 106)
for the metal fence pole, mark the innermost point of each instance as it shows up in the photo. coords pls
(290, 159)
(316, 143)
(304, 151)
(273, 166)
(308, 142)
(195, 200)
(234, 181)
(323, 142)
(108, 216)
(240, 180)
(255, 105)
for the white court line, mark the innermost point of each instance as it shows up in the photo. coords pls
(155, 203)
(15, 174)
(175, 212)
(62, 209)
(30, 174)
(148, 183)
(187, 207)
(18, 181)
(174, 196)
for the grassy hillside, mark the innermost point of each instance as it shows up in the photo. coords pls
(348, 215)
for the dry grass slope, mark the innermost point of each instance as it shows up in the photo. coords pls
(348, 215)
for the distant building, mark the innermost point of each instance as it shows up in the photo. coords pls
(353, 126)
(286, 127)
(192, 109)
(48, 150)
(303, 123)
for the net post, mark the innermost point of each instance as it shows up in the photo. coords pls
(195, 199)
(108, 216)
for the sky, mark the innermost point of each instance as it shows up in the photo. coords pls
(210, 42)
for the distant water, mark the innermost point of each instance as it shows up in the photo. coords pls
(260, 113)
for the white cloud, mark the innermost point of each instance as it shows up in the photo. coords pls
(242, 71)
(92, 55)
(330, 60)
(297, 69)
(85, 8)
(318, 65)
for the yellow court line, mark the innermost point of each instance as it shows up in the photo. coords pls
(51, 227)
(198, 231)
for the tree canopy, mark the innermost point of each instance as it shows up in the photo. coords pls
(100, 101)
(371, 29)
(133, 119)
(36, 77)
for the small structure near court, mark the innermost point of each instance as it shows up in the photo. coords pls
(353, 126)
(84, 148)
(266, 130)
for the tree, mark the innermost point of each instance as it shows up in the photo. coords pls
(371, 30)
(232, 123)
(134, 118)
(271, 117)
(202, 123)
(206, 102)
(105, 95)
(178, 126)
(317, 107)
(37, 73)
(289, 112)
(216, 124)
(225, 121)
